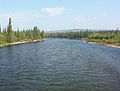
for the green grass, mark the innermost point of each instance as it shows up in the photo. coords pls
(102, 41)
(2, 44)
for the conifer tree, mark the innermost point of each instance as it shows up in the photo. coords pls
(42, 34)
(0, 29)
(18, 35)
(9, 31)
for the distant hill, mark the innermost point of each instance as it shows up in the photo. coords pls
(75, 30)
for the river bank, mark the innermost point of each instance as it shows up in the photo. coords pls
(21, 42)
(103, 42)
(108, 43)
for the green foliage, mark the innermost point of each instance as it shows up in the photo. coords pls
(78, 34)
(101, 37)
(9, 32)
(42, 34)
(2, 38)
(0, 29)
(7, 36)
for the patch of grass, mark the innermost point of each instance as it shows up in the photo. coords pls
(102, 41)
(4, 44)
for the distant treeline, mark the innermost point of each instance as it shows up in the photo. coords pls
(114, 34)
(7, 35)
(101, 37)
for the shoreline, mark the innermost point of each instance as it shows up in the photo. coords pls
(32, 41)
(108, 45)
(22, 42)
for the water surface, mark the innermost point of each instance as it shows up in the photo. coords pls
(59, 65)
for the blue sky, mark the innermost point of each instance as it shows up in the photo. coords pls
(61, 14)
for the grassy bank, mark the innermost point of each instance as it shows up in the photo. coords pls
(3, 44)
(106, 42)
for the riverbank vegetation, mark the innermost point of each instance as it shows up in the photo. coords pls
(8, 36)
(111, 37)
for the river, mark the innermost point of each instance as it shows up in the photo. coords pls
(59, 65)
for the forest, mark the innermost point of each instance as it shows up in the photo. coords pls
(101, 37)
(8, 35)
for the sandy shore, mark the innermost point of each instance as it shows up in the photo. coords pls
(109, 45)
(23, 42)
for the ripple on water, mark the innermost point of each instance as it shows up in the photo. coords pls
(59, 65)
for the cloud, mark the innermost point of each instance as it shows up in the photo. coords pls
(20, 16)
(53, 11)
(21, 19)
(17, 17)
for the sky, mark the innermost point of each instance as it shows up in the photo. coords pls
(52, 15)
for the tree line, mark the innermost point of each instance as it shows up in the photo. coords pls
(8, 35)
(101, 37)
(112, 34)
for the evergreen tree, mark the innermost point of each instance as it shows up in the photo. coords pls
(9, 31)
(18, 35)
(42, 34)
(0, 29)
(4, 32)
(2, 38)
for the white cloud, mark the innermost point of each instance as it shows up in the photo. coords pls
(24, 19)
(20, 16)
(53, 11)
(17, 17)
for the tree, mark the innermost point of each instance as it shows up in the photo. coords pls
(18, 35)
(9, 31)
(36, 33)
(42, 34)
(0, 29)
(7, 35)
(2, 38)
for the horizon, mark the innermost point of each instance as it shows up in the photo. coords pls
(61, 15)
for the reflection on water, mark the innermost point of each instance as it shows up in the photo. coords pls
(59, 65)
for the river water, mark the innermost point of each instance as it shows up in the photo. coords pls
(59, 65)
